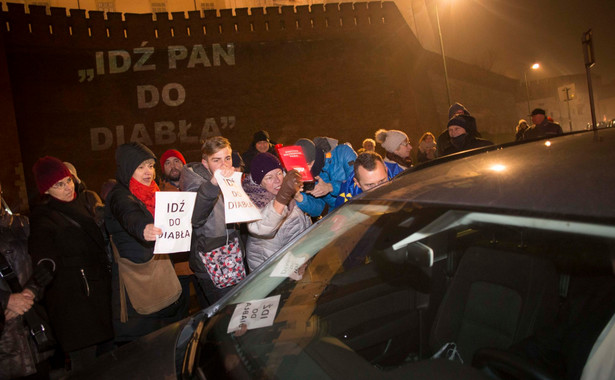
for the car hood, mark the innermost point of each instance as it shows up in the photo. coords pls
(569, 176)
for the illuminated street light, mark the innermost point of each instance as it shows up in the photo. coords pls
(535, 66)
(448, 88)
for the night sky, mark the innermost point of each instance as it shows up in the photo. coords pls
(507, 36)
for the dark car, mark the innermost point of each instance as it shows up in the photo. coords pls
(496, 263)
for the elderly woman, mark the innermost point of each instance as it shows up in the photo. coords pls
(66, 239)
(129, 217)
(273, 193)
(397, 146)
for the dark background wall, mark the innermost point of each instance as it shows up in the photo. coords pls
(75, 87)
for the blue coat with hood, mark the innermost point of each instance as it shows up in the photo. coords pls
(350, 188)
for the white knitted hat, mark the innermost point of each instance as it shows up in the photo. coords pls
(391, 139)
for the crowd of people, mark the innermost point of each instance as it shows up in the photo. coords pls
(89, 260)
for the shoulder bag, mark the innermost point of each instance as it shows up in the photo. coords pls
(150, 286)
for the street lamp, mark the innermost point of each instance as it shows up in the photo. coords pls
(448, 89)
(535, 66)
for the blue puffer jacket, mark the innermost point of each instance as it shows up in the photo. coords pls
(339, 164)
(350, 188)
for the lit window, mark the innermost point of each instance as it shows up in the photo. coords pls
(206, 6)
(105, 6)
(159, 6)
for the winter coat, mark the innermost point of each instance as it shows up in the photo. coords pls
(125, 218)
(313, 206)
(167, 186)
(210, 230)
(78, 300)
(351, 189)
(274, 230)
(18, 355)
(339, 164)
(544, 129)
(470, 142)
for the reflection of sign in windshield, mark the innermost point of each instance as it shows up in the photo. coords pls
(289, 267)
(254, 314)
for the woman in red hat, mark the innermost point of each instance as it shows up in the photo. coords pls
(66, 239)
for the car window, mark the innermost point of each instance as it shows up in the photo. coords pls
(360, 292)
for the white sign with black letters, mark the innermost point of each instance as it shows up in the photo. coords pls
(238, 207)
(174, 217)
(254, 314)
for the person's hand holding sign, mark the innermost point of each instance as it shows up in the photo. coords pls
(291, 184)
(151, 232)
(226, 172)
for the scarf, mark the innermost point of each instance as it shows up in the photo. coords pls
(403, 162)
(459, 141)
(257, 194)
(146, 194)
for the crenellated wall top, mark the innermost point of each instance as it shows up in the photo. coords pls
(59, 27)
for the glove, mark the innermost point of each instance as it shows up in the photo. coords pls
(43, 273)
(290, 185)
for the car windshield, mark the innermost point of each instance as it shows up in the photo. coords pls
(358, 294)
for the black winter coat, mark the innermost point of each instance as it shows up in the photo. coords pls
(470, 142)
(125, 218)
(78, 300)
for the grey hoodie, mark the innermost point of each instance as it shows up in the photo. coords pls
(208, 222)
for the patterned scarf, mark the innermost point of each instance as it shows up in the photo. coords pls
(258, 195)
(146, 194)
(403, 162)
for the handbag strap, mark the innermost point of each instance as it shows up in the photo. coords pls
(123, 308)
(7, 273)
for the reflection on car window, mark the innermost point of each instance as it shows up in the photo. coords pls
(367, 283)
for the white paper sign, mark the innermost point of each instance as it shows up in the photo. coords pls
(174, 217)
(238, 207)
(289, 267)
(254, 314)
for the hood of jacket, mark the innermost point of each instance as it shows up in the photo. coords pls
(192, 176)
(457, 107)
(128, 157)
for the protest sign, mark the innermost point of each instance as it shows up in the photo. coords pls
(254, 314)
(174, 217)
(238, 207)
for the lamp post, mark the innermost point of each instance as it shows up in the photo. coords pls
(535, 66)
(448, 89)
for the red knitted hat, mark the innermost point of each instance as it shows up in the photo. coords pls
(47, 171)
(171, 153)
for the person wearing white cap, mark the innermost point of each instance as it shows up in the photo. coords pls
(397, 146)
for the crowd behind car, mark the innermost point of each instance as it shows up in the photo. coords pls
(86, 257)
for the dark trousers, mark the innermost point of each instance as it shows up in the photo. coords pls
(211, 292)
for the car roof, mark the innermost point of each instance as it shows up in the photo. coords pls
(566, 176)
